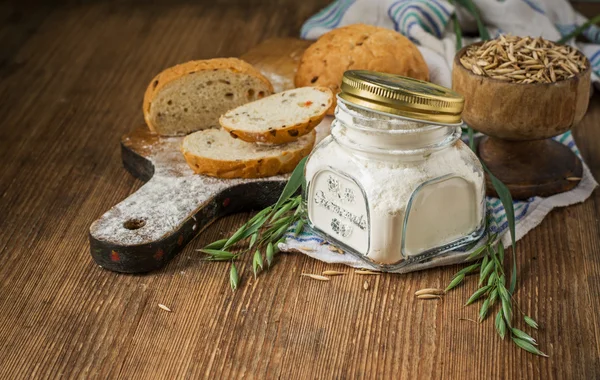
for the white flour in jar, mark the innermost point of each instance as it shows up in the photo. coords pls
(456, 208)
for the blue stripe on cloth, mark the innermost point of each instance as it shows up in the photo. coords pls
(501, 215)
(430, 26)
(592, 33)
(534, 5)
(323, 15)
(304, 240)
(430, 15)
(443, 7)
(330, 17)
(595, 57)
(565, 29)
(414, 23)
(504, 226)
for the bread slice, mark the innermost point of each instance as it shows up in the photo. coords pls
(193, 95)
(214, 153)
(279, 118)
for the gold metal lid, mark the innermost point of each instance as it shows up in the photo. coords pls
(402, 96)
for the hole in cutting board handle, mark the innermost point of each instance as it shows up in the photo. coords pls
(134, 224)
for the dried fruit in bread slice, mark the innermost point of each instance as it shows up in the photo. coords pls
(214, 153)
(279, 118)
(193, 95)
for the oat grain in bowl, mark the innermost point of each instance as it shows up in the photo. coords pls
(523, 60)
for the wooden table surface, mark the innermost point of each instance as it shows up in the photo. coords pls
(71, 83)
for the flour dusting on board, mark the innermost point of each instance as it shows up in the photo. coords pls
(172, 195)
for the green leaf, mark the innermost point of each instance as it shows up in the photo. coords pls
(486, 271)
(528, 346)
(507, 311)
(478, 293)
(471, 138)
(234, 278)
(457, 280)
(216, 244)
(493, 254)
(503, 292)
(287, 221)
(253, 240)
(259, 215)
(298, 208)
(523, 335)
(500, 325)
(293, 183)
(270, 254)
(500, 247)
(476, 253)
(531, 322)
(457, 31)
(280, 232)
(467, 270)
(484, 309)
(276, 245)
(483, 32)
(299, 227)
(493, 296)
(484, 263)
(507, 202)
(580, 29)
(218, 255)
(257, 262)
(237, 236)
(285, 208)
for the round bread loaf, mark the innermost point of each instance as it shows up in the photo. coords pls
(358, 47)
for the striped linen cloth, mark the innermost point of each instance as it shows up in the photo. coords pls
(426, 22)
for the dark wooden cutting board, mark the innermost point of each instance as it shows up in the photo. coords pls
(150, 227)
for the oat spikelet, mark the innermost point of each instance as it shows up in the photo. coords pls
(333, 273)
(315, 276)
(164, 307)
(336, 249)
(429, 296)
(366, 272)
(429, 291)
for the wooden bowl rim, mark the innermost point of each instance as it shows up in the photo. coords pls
(462, 51)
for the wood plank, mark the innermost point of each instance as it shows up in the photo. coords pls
(77, 88)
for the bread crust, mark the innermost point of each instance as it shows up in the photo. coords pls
(358, 47)
(286, 162)
(280, 135)
(167, 76)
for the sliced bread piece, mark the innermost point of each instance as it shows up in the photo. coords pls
(213, 152)
(191, 96)
(279, 118)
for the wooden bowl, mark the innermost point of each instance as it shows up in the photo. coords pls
(519, 120)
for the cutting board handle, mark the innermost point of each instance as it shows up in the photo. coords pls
(146, 230)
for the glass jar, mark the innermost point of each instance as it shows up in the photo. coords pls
(393, 183)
